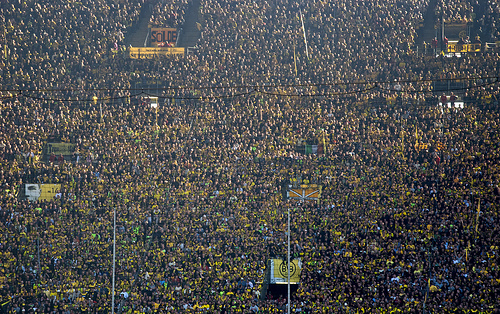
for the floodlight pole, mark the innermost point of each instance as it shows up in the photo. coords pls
(288, 262)
(114, 259)
(38, 252)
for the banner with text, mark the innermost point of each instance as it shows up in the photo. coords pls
(153, 52)
(40, 192)
(163, 37)
(65, 149)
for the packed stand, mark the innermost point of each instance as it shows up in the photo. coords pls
(63, 43)
(197, 183)
(489, 21)
(257, 38)
(199, 210)
(455, 11)
(169, 13)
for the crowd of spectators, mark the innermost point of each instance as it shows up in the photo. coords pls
(169, 13)
(62, 43)
(484, 14)
(455, 11)
(408, 218)
(481, 16)
(488, 21)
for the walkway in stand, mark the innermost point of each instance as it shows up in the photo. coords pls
(136, 36)
(190, 30)
(428, 32)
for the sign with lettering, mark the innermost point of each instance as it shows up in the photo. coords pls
(163, 37)
(153, 52)
(65, 149)
(40, 192)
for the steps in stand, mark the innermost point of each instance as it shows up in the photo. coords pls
(137, 35)
(191, 33)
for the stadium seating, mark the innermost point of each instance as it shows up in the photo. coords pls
(408, 214)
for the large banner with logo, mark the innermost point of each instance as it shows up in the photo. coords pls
(153, 52)
(163, 37)
(279, 273)
(304, 192)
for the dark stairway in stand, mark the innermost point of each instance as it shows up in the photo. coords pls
(137, 34)
(427, 32)
(190, 31)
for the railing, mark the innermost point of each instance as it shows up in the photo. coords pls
(454, 47)
(147, 37)
(179, 34)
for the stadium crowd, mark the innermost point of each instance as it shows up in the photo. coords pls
(489, 21)
(169, 13)
(455, 11)
(408, 216)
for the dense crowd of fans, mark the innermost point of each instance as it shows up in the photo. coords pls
(489, 21)
(169, 13)
(408, 216)
(455, 11)
(482, 16)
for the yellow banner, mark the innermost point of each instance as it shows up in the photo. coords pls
(456, 47)
(279, 272)
(305, 192)
(163, 36)
(60, 148)
(153, 52)
(42, 192)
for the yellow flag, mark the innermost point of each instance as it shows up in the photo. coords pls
(416, 134)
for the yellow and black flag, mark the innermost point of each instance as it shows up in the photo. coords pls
(440, 146)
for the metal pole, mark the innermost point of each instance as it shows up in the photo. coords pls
(442, 30)
(288, 262)
(147, 37)
(114, 259)
(39, 267)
